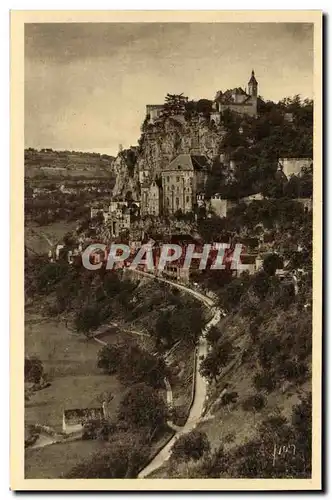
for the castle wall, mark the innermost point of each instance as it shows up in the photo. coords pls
(242, 109)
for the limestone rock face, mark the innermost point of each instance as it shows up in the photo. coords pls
(126, 174)
(159, 144)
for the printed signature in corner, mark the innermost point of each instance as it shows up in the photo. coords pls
(283, 451)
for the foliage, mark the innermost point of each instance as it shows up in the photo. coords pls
(174, 104)
(216, 359)
(122, 459)
(255, 402)
(98, 429)
(110, 358)
(138, 365)
(182, 323)
(229, 397)
(192, 445)
(141, 407)
(87, 319)
(33, 369)
(264, 381)
(271, 263)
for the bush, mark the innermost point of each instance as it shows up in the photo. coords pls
(190, 446)
(109, 358)
(97, 429)
(229, 397)
(141, 406)
(138, 365)
(122, 460)
(33, 370)
(254, 402)
(87, 319)
(179, 415)
(264, 380)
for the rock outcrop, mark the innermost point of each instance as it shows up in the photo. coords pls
(159, 144)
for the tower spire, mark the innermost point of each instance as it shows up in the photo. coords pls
(252, 85)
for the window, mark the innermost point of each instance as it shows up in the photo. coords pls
(177, 202)
(178, 179)
(187, 199)
(177, 189)
(167, 202)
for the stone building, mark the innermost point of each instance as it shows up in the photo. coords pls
(153, 112)
(151, 198)
(117, 216)
(237, 100)
(182, 179)
(74, 420)
(117, 222)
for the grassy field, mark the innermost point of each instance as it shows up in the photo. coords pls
(70, 363)
(49, 462)
(36, 237)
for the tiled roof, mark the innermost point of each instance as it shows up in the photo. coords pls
(188, 162)
(227, 96)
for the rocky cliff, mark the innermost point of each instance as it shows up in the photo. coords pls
(161, 142)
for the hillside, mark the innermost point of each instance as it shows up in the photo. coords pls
(242, 151)
(48, 163)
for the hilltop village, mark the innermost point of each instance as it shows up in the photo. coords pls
(204, 161)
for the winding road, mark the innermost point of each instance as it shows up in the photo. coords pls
(200, 383)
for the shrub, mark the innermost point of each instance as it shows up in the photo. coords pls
(229, 397)
(191, 446)
(254, 402)
(264, 380)
(33, 370)
(141, 406)
(109, 358)
(97, 429)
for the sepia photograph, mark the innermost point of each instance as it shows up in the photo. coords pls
(167, 227)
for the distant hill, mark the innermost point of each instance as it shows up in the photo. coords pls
(48, 163)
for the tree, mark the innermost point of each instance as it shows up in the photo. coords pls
(192, 445)
(213, 335)
(264, 381)
(110, 358)
(87, 319)
(69, 240)
(121, 460)
(216, 360)
(98, 429)
(302, 423)
(272, 263)
(260, 284)
(138, 365)
(49, 274)
(254, 403)
(33, 369)
(175, 104)
(141, 406)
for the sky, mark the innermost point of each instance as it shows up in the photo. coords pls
(87, 84)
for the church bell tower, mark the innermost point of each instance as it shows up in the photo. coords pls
(252, 85)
